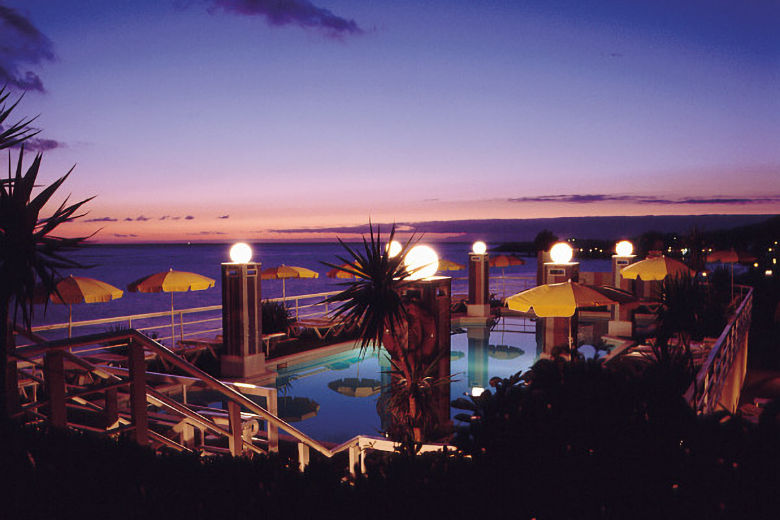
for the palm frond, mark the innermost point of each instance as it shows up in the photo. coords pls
(372, 303)
(29, 253)
(17, 132)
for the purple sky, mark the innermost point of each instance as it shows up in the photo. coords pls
(326, 113)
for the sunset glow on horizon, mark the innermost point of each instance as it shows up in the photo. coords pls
(220, 120)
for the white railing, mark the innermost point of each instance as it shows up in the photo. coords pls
(500, 286)
(705, 393)
(132, 414)
(185, 323)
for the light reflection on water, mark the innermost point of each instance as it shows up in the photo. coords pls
(477, 356)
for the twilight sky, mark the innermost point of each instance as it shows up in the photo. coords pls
(216, 119)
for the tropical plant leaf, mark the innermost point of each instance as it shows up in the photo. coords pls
(29, 254)
(372, 303)
(17, 132)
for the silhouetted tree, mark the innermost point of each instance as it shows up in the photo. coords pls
(544, 240)
(30, 254)
(650, 241)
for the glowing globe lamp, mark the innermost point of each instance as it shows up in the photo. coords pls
(479, 247)
(240, 253)
(561, 253)
(477, 391)
(422, 262)
(624, 248)
(393, 248)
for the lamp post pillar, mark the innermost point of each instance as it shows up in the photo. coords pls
(554, 332)
(428, 305)
(479, 283)
(242, 325)
(620, 323)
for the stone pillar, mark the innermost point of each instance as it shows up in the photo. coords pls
(479, 286)
(620, 323)
(554, 332)
(242, 326)
(428, 304)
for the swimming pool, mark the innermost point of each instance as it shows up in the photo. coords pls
(335, 396)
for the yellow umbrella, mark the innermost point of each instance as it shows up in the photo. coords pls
(655, 268)
(557, 300)
(449, 265)
(79, 289)
(339, 272)
(505, 261)
(171, 281)
(283, 272)
(723, 256)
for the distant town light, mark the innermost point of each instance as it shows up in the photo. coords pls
(561, 253)
(422, 261)
(768, 272)
(240, 253)
(755, 264)
(393, 248)
(479, 247)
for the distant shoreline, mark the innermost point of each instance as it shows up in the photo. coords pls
(501, 230)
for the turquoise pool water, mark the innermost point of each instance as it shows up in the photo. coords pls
(477, 354)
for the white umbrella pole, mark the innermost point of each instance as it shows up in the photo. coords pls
(732, 282)
(173, 335)
(284, 292)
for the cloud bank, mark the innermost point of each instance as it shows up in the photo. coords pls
(290, 12)
(21, 45)
(37, 144)
(642, 199)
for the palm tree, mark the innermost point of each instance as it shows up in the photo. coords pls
(374, 305)
(29, 253)
(17, 132)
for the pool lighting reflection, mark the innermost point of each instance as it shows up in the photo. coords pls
(240, 253)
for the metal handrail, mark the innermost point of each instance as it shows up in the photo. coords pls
(707, 386)
(301, 311)
(168, 355)
(356, 446)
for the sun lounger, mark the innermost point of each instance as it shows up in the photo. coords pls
(322, 327)
(196, 346)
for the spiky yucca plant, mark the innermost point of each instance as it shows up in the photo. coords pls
(373, 304)
(16, 132)
(29, 252)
